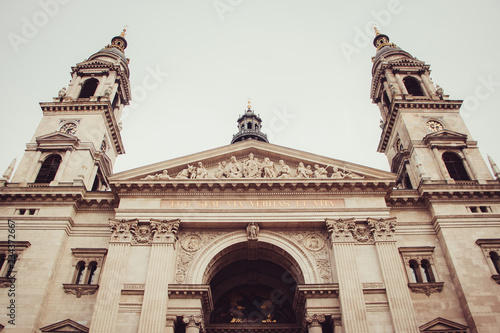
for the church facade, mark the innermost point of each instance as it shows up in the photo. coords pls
(251, 237)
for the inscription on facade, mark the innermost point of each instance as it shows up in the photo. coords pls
(251, 204)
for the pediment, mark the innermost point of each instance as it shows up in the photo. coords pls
(442, 325)
(95, 63)
(251, 159)
(56, 139)
(445, 136)
(65, 326)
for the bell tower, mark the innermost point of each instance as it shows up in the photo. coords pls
(78, 138)
(423, 135)
(249, 125)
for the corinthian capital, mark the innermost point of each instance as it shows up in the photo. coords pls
(340, 230)
(165, 230)
(383, 229)
(121, 230)
(315, 319)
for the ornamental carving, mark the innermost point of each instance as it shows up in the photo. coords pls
(191, 243)
(315, 319)
(341, 230)
(165, 230)
(252, 167)
(141, 234)
(426, 288)
(121, 229)
(314, 242)
(383, 229)
(80, 289)
(253, 231)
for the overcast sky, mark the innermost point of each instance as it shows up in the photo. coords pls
(305, 64)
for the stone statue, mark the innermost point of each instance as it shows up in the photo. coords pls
(186, 173)
(352, 175)
(320, 172)
(302, 171)
(222, 171)
(253, 231)
(284, 170)
(8, 173)
(337, 174)
(235, 168)
(439, 91)
(309, 172)
(251, 167)
(62, 92)
(107, 92)
(159, 176)
(268, 168)
(201, 171)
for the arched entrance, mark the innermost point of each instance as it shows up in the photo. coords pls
(253, 286)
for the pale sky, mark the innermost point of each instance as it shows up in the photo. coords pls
(203, 59)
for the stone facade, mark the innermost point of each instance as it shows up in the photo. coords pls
(251, 236)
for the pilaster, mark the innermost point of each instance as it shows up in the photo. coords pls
(400, 304)
(161, 267)
(106, 307)
(350, 288)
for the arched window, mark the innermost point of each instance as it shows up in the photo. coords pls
(92, 270)
(89, 88)
(249, 125)
(80, 269)
(416, 271)
(48, 169)
(455, 166)
(495, 259)
(413, 86)
(426, 265)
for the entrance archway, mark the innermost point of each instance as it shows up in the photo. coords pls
(253, 284)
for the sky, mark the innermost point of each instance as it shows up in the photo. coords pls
(306, 65)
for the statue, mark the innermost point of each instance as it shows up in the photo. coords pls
(159, 176)
(302, 171)
(268, 168)
(201, 171)
(62, 92)
(107, 92)
(235, 168)
(439, 91)
(309, 172)
(350, 174)
(222, 171)
(251, 167)
(320, 172)
(337, 174)
(284, 170)
(186, 173)
(253, 231)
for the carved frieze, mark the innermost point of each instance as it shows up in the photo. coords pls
(141, 234)
(426, 288)
(314, 242)
(252, 167)
(80, 289)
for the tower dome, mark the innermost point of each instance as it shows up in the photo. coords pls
(249, 125)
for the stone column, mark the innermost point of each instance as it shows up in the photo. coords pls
(470, 163)
(313, 323)
(398, 295)
(170, 324)
(193, 323)
(441, 166)
(62, 166)
(105, 313)
(160, 271)
(350, 288)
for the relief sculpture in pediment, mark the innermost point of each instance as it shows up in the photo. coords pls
(254, 168)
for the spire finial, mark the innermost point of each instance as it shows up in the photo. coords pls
(494, 167)
(124, 31)
(376, 30)
(249, 107)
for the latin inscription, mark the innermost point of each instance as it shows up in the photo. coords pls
(251, 204)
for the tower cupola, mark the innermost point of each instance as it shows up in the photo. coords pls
(249, 125)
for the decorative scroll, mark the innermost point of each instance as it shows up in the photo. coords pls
(253, 168)
(350, 231)
(315, 319)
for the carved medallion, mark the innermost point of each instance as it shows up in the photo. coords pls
(314, 242)
(191, 243)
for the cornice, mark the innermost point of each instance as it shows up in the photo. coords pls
(252, 186)
(87, 106)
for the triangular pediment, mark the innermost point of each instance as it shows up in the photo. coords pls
(443, 326)
(251, 159)
(445, 135)
(95, 64)
(65, 326)
(55, 139)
